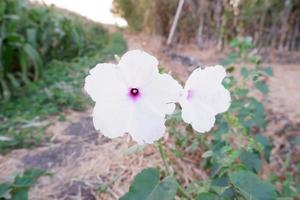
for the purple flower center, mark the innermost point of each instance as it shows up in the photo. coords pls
(134, 93)
(190, 94)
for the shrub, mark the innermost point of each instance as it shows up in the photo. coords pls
(31, 36)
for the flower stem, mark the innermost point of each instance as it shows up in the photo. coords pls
(164, 158)
(181, 190)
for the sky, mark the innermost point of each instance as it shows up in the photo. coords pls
(97, 10)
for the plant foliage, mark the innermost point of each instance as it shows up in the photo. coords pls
(18, 189)
(235, 150)
(31, 36)
(147, 185)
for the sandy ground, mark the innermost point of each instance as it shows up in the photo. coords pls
(84, 163)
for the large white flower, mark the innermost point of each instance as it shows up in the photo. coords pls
(204, 97)
(132, 97)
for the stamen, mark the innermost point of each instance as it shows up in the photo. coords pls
(134, 91)
(190, 94)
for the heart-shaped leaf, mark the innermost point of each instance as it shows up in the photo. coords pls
(148, 186)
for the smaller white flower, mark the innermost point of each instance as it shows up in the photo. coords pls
(132, 97)
(204, 97)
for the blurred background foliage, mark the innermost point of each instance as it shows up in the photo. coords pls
(31, 36)
(45, 54)
(211, 23)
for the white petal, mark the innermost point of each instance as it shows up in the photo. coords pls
(217, 98)
(146, 125)
(138, 67)
(111, 117)
(198, 115)
(208, 77)
(162, 93)
(204, 97)
(104, 82)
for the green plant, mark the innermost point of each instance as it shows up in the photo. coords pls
(18, 189)
(59, 89)
(31, 36)
(147, 185)
(234, 152)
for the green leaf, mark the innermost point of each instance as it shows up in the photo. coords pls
(221, 186)
(231, 58)
(13, 80)
(208, 196)
(2, 9)
(23, 182)
(31, 36)
(36, 59)
(261, 86)
(266, 144)
(230, 69)
(251, 186)
(4, 189)
(228, 82)
(28, 178)
(241, 92)
(148, 186)
(268, 71)
(14, 38)
(251, 160)
(245, 72)
(19, 194)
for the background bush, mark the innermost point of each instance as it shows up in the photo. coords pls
(45, 53)
(31, 36)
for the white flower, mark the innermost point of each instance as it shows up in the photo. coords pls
(132, 97)
(204, 97)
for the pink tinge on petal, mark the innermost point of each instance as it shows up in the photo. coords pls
(189, 95)
(134, 93)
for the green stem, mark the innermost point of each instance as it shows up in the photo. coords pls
(184, 193)
(181, 190)
(164, 158)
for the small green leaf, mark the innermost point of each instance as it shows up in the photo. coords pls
(148, 186)
(268, 71)
(231, 58)
(266, 144)
(13, 80)
(228, 82)
(230, 69)
(31, 34)
(241, 92)
(261, 86)
(251, 160)
(251, 186)
(19, 194)
(208, 196)
(28, 178)
(244, 72)
(4, 190)
(35, 58)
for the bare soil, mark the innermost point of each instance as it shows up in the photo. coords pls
(84, 163)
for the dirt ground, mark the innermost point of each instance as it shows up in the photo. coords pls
(83, 163)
